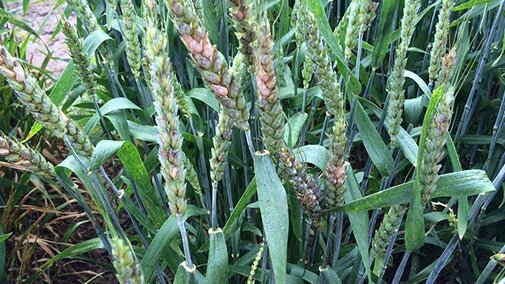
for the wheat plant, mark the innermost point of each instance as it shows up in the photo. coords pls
(247, 141)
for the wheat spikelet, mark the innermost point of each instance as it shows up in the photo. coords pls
(273, 119)
(209, 61)
(85, 13)
(131, 36)
(197, 4)
(354, 26)
(432, 155)
(307, 71)
(334, 101)
(279, 65)
(221, 144)
(79, 58)
(170, 155)
(335, 167)
(222, 138)
(112, 4)
(255, 264)
(41, 107)
(192, 176)
(435, 142)
(303, 183)
(127, 268)
(341, 29)
(272, 116)
(370, 14)
(390, 224)
(320, 58)
(440, 42)
(180, 96)
(447, 68)
(24, 158)
(397, 77)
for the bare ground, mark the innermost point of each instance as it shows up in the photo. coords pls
(43, 18)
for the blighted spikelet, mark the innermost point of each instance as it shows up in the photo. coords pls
(127, 268)
(241, 14)
(222, 138)
(209, 61)
(440, 42)
(447, 69)
(273, 119)
(40, 105)
(131, 36)
(397, 77)
(334, 101)
(370, 14)
(272, 116)
(79, 58)
(170, 155)
(24, 158)
(390, 224)
(335, 166)
(435, 142)
(305, 185)
(433, 154)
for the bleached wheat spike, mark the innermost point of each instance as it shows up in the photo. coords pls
(273, 119)
(209, 61)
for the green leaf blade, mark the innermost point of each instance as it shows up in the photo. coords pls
(274, 213)
(374, 145)
(217, 264)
